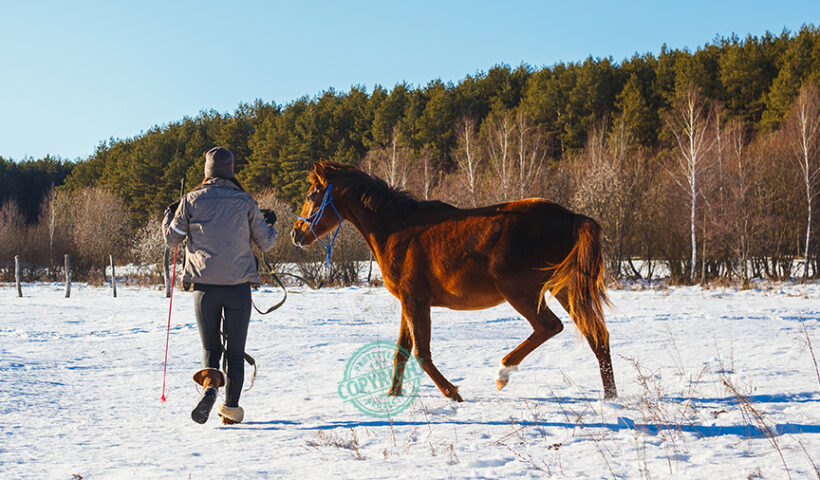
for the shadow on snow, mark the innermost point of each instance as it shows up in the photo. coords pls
(622, 423)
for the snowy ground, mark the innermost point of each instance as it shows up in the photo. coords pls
(81, 381)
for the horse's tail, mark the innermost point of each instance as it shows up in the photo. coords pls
(581, 273)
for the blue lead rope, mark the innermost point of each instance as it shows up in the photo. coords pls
(316, 217)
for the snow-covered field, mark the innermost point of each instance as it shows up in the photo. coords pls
(713, 383)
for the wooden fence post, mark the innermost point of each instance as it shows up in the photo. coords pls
(113, 275)
(67, 277)
(17, 275)
(165, 274)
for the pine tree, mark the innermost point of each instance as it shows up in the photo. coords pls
(639, 120)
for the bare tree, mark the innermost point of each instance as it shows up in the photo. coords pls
(775, 195)
(426, 172)
(468, 156)
(594, 174)
(395, 168)
(390, 162)
(500, 135)
(630, 184)
(803, 125)
(738, 204)
(99, 224)
(688, 122)
(530, 152)
(368, 163)
(608, 178)
(47, 211)
(716, 223)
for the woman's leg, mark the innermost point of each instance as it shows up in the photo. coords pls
(208, 311)
(237, 304)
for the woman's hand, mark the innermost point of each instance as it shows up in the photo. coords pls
(269, 215)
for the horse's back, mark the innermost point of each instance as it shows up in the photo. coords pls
(525, 224)
(467, 253)
(521, 227)
(536, 232)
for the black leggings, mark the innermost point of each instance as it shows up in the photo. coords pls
(210, 301)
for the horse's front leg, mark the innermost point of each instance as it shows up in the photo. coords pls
(403, 346)
(418, 320)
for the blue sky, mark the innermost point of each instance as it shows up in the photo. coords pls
(77, 73)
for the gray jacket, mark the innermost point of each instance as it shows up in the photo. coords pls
(220, 220)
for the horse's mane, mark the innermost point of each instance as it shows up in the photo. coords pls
(374, 193)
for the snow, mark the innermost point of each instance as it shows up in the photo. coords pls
(82, 377)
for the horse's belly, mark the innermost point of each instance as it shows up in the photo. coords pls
(468, 297)
(470, 304)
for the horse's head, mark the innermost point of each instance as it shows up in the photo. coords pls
(318, 215)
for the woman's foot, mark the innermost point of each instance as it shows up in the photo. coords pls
(210, 379)
(230, 415)
(202, 409)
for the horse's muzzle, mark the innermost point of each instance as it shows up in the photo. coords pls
(298, 237)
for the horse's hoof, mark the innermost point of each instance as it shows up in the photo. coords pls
(503, 375)
(394, 392)
(453, 394)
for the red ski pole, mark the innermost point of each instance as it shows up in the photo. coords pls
(168, 333)
(171, 297)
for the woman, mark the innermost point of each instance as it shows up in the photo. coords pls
(220, 220)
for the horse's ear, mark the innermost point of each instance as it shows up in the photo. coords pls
(319, 171)
(317, 175)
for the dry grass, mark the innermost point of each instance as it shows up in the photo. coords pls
(332, 439)
(810, 347)
(752, 416)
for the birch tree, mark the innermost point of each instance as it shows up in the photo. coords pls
(426, 172)
(530, 152)
(689, 122)
(395, 166)
(390, 161)
(500, 137)
(803, 125)
(468, 156)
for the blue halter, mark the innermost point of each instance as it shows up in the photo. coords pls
(316, 217)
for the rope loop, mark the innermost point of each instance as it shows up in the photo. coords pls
(327, 200)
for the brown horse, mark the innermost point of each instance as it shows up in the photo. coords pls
(434, 254)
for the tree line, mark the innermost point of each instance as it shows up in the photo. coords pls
(24, 183)
(703, 162)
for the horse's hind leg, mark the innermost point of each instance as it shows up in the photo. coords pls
(403, 346)
(601, 351)
(545, 325)
(418, 319)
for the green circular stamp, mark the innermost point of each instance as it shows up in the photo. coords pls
(368, 377)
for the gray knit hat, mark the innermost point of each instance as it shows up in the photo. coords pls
(219, 163)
